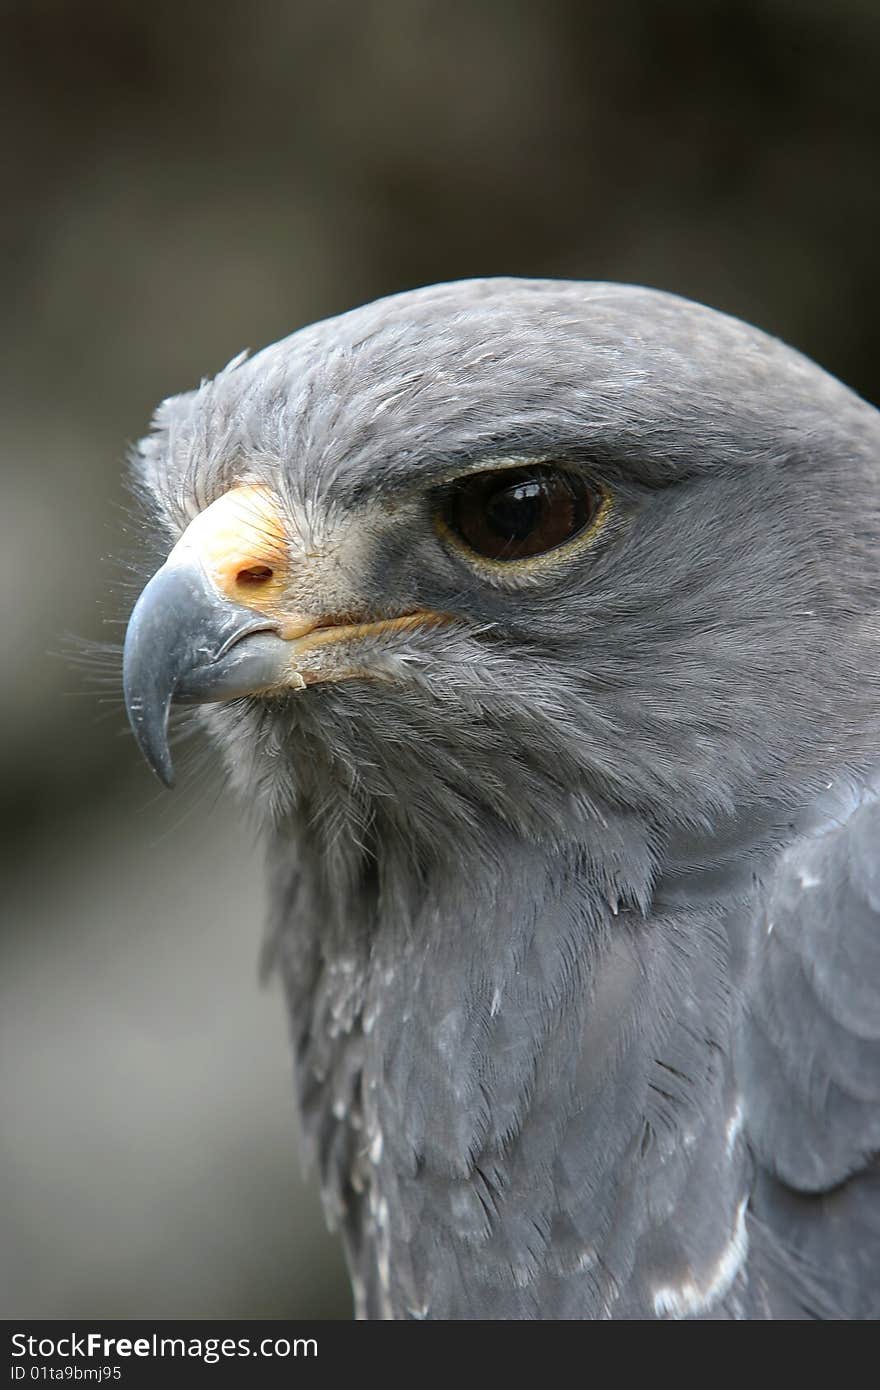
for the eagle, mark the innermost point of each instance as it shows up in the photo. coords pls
(538, 623)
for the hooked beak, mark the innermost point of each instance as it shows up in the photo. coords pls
(214, 623)
(187, 643)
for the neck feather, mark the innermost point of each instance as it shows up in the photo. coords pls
(511, 1090)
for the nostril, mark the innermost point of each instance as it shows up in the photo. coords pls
(254, 574)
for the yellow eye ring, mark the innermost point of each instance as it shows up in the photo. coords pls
(521, 518)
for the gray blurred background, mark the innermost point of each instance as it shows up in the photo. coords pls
(186, 179)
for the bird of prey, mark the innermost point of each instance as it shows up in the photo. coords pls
(538, 620)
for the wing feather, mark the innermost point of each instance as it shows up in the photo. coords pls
(810, 1054)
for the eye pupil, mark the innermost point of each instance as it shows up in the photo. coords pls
(512, 514)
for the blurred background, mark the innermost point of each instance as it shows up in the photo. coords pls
(182, 181)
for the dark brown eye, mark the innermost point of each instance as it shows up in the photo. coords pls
(514, 513)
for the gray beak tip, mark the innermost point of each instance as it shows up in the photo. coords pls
(184, 643)
(149, 724)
